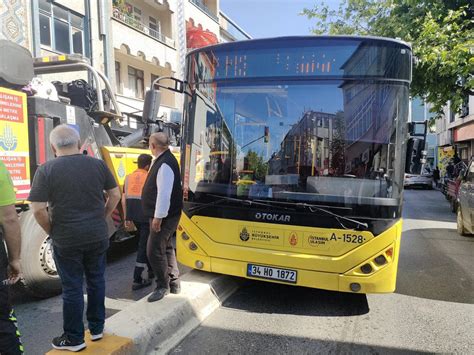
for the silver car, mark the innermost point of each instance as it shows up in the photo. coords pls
(424, 180)
(465, 202)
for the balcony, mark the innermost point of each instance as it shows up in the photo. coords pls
(139, 26)
(205, 9)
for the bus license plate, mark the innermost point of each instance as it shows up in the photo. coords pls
(272, 273)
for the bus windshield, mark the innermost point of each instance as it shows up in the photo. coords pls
(318, 136)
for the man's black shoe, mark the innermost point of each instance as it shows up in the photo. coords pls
(158, 294)
(140, 284)
(175, 288)
(63, 343)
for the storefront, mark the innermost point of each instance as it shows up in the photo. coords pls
(463, 137)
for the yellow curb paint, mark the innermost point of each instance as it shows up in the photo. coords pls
(109, 344)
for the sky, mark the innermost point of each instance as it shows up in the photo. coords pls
(271, 18)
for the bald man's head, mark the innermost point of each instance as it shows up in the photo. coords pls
(158, 143)
(64, 137)
(160, 139)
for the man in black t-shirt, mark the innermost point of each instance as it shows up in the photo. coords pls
(67, 198)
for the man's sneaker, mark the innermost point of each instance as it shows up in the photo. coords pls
(175, 288)
(140, 284)
(158, 294)
(63, 343)
(95, 337)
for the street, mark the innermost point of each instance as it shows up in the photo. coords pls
(431, 311)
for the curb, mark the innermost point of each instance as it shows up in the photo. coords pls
(158, 327)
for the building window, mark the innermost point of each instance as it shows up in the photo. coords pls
(134, 12)
(155, 27)
(118, 80)
(61, 29)
(135, 82)
(153, 77)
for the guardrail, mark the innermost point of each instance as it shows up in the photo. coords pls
(205, 9)
(140, 26)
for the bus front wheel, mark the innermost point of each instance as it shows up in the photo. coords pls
(39, 270)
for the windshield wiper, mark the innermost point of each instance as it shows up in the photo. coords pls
(225, 198)
(338, 217)
(313, 208)
(324, 209)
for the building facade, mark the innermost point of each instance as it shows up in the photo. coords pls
(455, 133)
(132, 42)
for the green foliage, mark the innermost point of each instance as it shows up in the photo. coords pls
(441, 34)
(257, 164)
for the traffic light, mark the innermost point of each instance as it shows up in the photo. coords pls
(266, 134)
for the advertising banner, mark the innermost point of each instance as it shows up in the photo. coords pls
(445, 155)
(14, 150)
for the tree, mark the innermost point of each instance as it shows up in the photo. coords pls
(441, 34)
(338, 144)
(257, 165)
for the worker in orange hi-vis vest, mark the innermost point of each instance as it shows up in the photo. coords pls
(132, 207)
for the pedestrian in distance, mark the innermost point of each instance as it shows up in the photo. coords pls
(67, 199)
(10, 232)
(436, 176)
(450, 170)
(162, 201)
(133, 211)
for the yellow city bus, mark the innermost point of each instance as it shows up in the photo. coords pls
(292, 159)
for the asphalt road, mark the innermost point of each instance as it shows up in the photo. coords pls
(432, 310)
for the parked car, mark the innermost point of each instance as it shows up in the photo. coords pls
(465, 202)
(424, 180)
(452, 191)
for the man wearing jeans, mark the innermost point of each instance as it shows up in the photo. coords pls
(67, 198)
(162, 200)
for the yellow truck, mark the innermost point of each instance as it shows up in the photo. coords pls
(25, 124)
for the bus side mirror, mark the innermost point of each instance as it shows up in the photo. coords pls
(151, 106)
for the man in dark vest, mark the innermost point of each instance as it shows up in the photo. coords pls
(162, 200)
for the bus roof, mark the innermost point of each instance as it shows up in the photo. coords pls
(251, 42)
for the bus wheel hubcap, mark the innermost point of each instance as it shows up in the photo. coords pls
(46, 257)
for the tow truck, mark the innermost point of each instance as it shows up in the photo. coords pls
(25, 124)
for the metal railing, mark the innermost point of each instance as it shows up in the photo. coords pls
(140, 26)
(205, 9)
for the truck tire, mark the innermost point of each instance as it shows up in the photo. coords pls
(459, 222)
(39, 270)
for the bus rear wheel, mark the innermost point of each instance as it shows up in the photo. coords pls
(39, 270)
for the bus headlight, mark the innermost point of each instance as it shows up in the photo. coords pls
(380, 260)
(366, 268)
(355, 287)
(185, 236)
(193, 246)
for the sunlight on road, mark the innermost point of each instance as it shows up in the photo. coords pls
(412, 224)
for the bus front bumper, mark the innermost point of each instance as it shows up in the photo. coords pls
(381, 280)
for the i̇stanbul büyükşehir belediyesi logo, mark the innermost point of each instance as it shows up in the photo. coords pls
(8, 140)
(244, 235)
